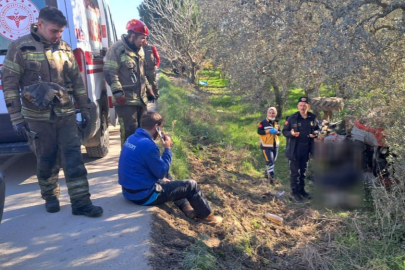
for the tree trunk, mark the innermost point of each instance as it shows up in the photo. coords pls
(193, 73)
(279, 99)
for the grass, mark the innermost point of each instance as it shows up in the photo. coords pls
(199, 257)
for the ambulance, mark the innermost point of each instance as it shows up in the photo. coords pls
(90, 32)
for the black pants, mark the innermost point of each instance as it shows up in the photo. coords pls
(298, 168)
(183, 192)
(60, 135)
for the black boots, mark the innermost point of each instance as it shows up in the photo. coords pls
(300, 195)
(297, 197)
(52, 205)
(305, 194)
(89, 210)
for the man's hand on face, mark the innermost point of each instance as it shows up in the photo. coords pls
(165, 179)
(167, 141)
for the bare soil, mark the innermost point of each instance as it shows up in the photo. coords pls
(246, 239)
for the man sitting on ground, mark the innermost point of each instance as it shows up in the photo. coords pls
(143, 173)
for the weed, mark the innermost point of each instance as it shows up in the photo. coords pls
(199, 257)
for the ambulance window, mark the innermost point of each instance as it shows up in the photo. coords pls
(18, 19)
(108, 23)
(112, 36)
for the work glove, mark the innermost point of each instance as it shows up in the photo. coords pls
(273, 131)
(85, 117)
(21, 129)
(121, 101)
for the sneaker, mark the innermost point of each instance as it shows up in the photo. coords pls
(305, 194)
(52, 205)
(297, 197)
(189, 211)
(212, 220)
(89, 210)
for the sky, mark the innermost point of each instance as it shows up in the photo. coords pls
(122, 11)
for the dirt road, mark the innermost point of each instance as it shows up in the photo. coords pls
(31, 238)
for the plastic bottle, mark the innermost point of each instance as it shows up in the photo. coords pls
(274, 218)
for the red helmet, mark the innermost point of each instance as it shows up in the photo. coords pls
(138, 27)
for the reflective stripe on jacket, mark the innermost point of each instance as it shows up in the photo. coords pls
(266, 139)
(124, 72)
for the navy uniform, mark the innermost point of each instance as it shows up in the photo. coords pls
(269, 144)
(299, 148)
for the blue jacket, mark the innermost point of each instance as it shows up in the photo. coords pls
(140, 166)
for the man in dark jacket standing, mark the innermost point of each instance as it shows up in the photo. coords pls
(43, 67)
(300, 129)
(143, 173)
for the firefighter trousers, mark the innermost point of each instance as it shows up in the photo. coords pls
(59, 138)
(130, 119)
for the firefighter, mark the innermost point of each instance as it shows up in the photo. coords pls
(44, 68)
(269, 130)
(124, 72)
(300, 129)
(152, 62)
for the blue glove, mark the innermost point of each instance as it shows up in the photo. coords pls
(273, 131)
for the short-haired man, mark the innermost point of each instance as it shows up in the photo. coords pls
(44, 68)
(124, 72)
(142, 173)
(300, 130)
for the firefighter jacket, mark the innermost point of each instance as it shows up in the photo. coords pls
(268, 140)
(124, 72)
(152, 58)
(31, 60)
(306, 127)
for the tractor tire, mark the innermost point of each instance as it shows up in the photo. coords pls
(327, 104)
(101, 150)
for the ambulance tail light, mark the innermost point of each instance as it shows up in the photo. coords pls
(81, 62)
(110, 102)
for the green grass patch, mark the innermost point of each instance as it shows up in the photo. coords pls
(199, 257)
